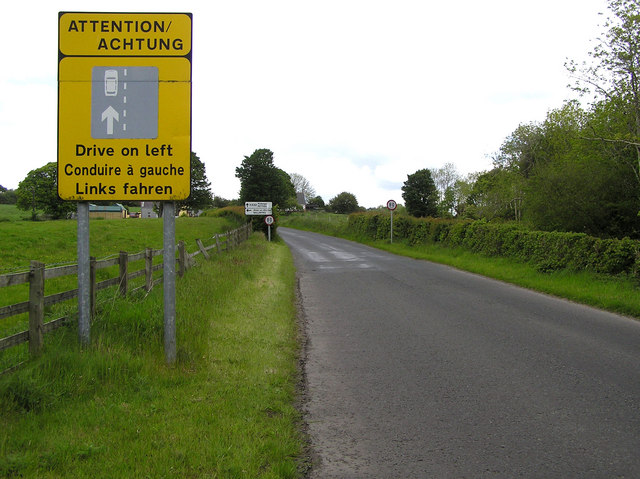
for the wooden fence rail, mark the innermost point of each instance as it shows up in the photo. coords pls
(38, 274)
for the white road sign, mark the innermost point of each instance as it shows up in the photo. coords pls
(260, 208)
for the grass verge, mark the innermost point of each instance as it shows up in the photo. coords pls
(116, 410)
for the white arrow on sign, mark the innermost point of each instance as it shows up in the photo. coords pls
(110, 114)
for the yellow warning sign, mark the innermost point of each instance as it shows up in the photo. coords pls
(124, 121)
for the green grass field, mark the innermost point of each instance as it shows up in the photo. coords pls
(226, 410)
(11, 213)
(55, 243)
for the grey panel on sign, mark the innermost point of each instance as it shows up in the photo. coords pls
(124, 102)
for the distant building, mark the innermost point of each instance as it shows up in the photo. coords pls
(116, 211)
(146, 210)
(302, 201)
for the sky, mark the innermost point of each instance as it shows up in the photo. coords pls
(354, 95)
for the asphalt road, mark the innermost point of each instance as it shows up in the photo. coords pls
(417, 370)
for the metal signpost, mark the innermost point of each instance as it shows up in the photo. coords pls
(124, 125)
(391, 206)
(269, 221)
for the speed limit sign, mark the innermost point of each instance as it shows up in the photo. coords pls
(269, 221)
(392, 205)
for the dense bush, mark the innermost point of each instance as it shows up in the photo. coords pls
(548, 251)
(235, 213)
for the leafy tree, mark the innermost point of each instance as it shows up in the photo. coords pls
(590, 195)
(613, 74)
(420, 194)
(445, 179)
(219, 202)
(343, 203)
(288, 199)
(446, 205)
(584, 186)
(461, 191)
(7, 197)
(261, 180)
(200, 196)
(496, 194)
(522, 149)
(551, 176)
(39, 191)
(315, 203)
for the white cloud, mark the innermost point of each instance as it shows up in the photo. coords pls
(352, 94)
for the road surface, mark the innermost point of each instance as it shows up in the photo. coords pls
(417, 370)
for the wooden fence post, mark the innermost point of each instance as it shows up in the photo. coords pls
(92, 285)
(202, 250)
(124, 278)
(182, 258)
(148, 271)
(218, 243)
(36, 306)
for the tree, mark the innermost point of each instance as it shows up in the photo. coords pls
(287, 192)
(7, 197)
(220, 202)
(496, 194)
(584, 186)
(261, 180)
(461, 191)
(39, 191)
(521, 150)
(587, 195)
(315, 203)
(549, 175)
(420, 194)
(445, 179)
(613, 74)
(200, 196)
(343, 203)
(302, 185)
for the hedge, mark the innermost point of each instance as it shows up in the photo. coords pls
(547, 251)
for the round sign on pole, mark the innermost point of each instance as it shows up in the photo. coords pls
(392, 205)
(269, 220)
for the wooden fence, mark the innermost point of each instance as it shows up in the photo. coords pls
(38, 274)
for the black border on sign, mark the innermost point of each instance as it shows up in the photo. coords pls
(187, 56)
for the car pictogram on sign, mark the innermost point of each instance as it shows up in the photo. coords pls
(110, 82)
